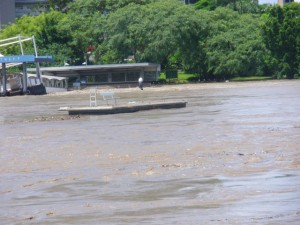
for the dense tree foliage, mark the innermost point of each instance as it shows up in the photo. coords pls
(235, 47)
(241, 6)
(214, 39)
(282, 36)
(171, 35)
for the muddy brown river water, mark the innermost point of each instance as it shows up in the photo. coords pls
(232, 156)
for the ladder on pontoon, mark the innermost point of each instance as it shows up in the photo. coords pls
(93, 98)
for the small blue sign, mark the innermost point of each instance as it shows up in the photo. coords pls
(17, 59)
(25, 58)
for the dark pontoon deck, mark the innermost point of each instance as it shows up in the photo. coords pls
(129, 108)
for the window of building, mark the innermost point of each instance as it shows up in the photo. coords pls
(118, 77)
(132, 76)
(101, 78)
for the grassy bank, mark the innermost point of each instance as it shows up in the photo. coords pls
(182, 78)
(188, 77)
(252, 78)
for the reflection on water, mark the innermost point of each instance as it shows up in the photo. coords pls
(230, 157)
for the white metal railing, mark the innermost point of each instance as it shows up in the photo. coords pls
(18, 40)
(14, 42)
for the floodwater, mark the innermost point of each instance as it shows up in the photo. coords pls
(232, 156)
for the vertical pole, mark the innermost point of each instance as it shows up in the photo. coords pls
(38, 71)
(24, 77)
(34, 45)
(158, 69)
(4, 79)
(21, 47)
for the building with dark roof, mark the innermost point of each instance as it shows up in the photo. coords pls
(107, 74)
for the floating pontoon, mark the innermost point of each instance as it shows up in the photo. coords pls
(128, 108)
(114, 108)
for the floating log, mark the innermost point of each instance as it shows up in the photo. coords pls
(129, 108)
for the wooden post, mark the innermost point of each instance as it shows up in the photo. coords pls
(4, 92)
(24, 77)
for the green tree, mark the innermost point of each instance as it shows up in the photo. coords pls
(86, 23)
(235, 47)
(113, 5)
(165, 32)
(281, 31)
(51, 37)
(84, 30)
(241, 6)
(103, 6)
(246, 6)
(206, 5)
(191, 30)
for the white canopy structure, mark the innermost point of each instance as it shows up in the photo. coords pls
(48, 81)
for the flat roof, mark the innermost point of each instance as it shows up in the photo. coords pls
(92, 69)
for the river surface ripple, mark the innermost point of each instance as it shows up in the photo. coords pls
(230, 157)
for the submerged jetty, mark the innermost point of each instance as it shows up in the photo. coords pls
(112, 107)
(128, 108)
